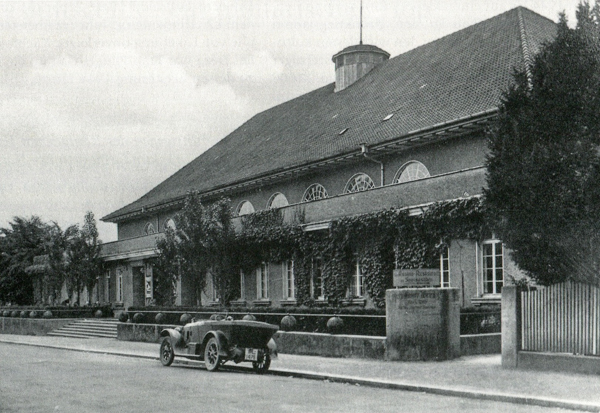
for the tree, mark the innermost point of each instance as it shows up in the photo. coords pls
(203, 244)
(543, 194)
(84, 265)
(19, 245)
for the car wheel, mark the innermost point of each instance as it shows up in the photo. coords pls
(261, 367)
(166, 352)
(211, 355)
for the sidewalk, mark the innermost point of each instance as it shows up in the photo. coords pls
(480, 377)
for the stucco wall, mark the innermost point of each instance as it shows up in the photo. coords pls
(442, 157)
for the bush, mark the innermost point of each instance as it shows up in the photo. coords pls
(288, 323)
(335, 325)
(185, 318)
(160, 318)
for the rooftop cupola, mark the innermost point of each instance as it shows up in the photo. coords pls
(354, 62)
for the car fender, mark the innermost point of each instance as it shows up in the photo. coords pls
(272, 346)
(175, 337)
(221, 340)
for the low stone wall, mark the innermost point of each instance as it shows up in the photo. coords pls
(320, 344)
(31, 326)
(328, 345)
(529, 360)
(149, 333)
(474, 344)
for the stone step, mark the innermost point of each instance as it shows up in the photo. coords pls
(88, 329)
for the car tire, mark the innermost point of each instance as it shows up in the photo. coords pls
(212, 360)
(167, 354)
(261, 367)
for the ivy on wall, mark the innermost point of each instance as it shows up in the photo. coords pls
(206, 243)
(380, 241)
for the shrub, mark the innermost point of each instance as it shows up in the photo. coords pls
(288, 323)
(160, 318)
(185, 318)
(335, 325)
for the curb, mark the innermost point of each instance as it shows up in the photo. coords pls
(383, 384)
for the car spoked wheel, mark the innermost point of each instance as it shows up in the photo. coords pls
(212, 360)
(261, 367)
(166, 352)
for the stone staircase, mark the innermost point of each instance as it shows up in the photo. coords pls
(94, 328)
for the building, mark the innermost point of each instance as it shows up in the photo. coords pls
(400, 132)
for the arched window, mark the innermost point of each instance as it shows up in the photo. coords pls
(149, 229)
(277, 200)
(245, 208)
(359, 182)
(411, 171)
(314, 192)
(169, 224)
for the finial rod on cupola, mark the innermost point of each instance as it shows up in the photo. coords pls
(360, 21)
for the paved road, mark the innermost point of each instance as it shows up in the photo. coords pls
(46, 380)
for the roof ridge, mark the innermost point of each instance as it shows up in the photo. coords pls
(527, 60)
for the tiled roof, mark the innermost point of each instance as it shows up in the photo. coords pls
(454, 77)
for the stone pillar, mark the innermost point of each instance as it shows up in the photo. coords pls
(511, 326)
(423, 323)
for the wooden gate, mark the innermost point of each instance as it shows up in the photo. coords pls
(562, 318)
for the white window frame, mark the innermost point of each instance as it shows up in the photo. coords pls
(421, 172)
(445, 267)
(262, 281)
(495, 269)
(119, 295)
(357, 286)
(289, 287)
(242, 285)
(277, 200)
(317, 263)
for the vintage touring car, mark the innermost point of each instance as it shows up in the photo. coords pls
(218, 341)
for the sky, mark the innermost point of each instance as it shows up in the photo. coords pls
(101, 101)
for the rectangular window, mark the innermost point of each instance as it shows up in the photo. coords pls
(289, 289)
(120, 285)
(357, 284)
(242, 286)
(317, 279)
(445, 268)
(493, 266)
(262, 281)
(107, 287)
(214, 296)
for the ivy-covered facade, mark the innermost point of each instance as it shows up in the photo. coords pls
(334, 190)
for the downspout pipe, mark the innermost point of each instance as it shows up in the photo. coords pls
(365, 151)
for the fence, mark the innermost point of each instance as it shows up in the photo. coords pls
(562, 318)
